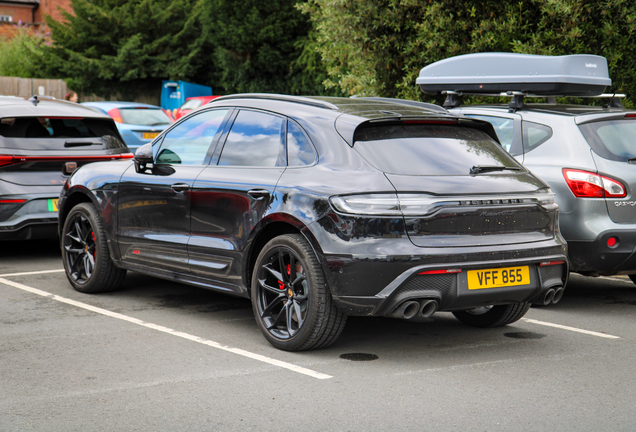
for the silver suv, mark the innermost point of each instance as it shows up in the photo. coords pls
(585, 153)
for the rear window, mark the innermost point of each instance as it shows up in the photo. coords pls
(612, 139)
(144, 117)
(56, 127)
(429, 149)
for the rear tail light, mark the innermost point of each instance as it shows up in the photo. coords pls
(550, 263)
(12, 201)
(370, 204)
(585, 184)
(115, 115)
(612, 242)
(10, 159)
(445, 271)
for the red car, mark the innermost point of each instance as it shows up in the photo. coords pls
(192, 103)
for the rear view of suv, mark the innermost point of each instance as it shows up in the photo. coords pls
(585, 153)
(41, 143)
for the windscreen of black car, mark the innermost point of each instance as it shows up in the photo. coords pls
(612, 139)
(429, 149)
(144, 116)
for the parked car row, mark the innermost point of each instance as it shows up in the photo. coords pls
(320, 208)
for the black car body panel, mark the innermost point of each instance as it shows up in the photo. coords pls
(205, 223)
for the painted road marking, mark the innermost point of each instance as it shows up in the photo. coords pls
(170, 331)
(32, 273)
(574, 329)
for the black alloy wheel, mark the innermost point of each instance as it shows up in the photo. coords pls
(85, 254)
(291, 301)
(493, 316)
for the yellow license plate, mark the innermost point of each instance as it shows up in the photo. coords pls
(149, 135)
(52, 203)
(496, 278)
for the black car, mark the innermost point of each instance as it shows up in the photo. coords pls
(41, 142)
(319, 208)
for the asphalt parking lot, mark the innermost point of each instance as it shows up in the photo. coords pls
(159, 356)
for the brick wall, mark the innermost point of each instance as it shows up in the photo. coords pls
(51, 7)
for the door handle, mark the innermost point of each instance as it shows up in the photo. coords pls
(180, 187)
(258, 194)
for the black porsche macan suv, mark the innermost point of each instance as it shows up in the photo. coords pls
(41, 142)
(319, 208)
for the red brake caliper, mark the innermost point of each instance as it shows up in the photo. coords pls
(94, 248)
(281, 285)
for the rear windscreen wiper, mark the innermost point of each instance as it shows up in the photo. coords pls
(478, 169)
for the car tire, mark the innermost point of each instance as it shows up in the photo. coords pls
(290, 298)
(493, 316)
(85, 253)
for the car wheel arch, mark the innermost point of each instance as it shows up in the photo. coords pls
(270, 230)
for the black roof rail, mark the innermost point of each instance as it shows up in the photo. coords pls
(279, 97)
(407, 102)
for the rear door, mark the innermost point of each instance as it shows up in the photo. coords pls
(38, 153)
(613, 143)
(458, 187)
(233, 194)
(154, 205)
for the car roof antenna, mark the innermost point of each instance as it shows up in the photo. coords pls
(34, 100)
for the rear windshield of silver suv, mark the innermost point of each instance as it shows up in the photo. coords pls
(612, 139)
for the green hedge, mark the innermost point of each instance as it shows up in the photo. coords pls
(377, 47)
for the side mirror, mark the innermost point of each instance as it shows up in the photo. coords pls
(143, 157)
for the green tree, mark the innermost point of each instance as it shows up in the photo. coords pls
(378, 47)
(125, 46)
(263, 46)
(19, 54)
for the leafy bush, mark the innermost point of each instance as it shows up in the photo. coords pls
(377, 47)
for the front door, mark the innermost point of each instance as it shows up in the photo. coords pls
(154, 205)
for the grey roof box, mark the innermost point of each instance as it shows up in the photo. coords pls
(491, 73)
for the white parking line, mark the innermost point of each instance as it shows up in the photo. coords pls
(574, 329)
(167, 330)
(32, 273)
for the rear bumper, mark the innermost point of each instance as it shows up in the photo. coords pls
(361, 286)
(596, 258)
(30, 229)
(31, 220)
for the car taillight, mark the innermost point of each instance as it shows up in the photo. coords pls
(10, 159)
(585, 184)
(115, 115)
(445, 271)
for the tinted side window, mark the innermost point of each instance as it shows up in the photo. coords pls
(188, 143)
(299, 150)
(534, 134)
(256, 139)
(504, 127)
